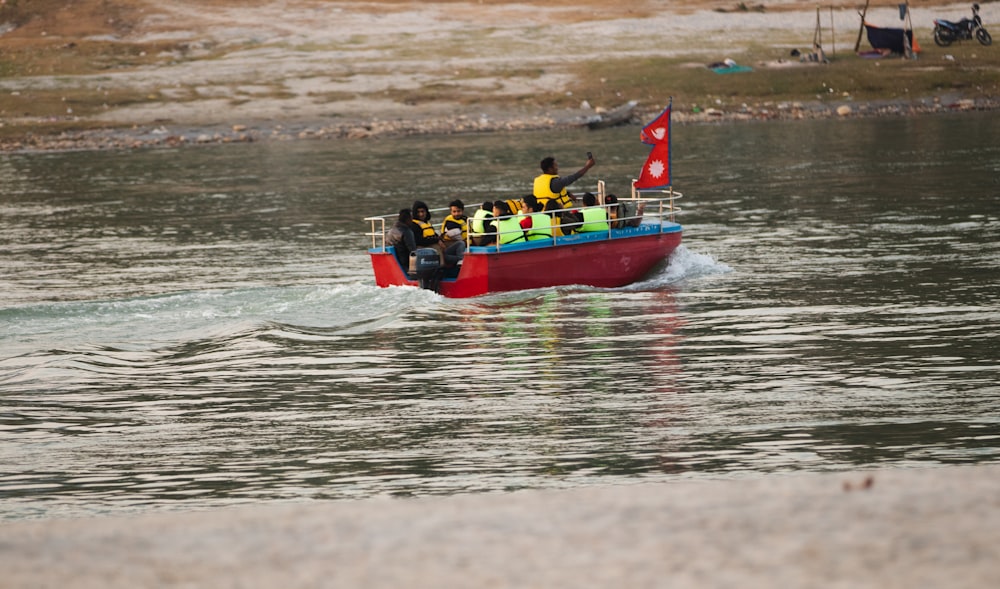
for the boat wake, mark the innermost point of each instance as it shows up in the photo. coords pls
(152, 322)
(684, 265)
(291, 313)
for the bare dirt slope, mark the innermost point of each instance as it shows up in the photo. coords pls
(228, 62)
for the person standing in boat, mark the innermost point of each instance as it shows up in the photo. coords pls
(548, 185)
(401, 237)
(482, 225)
(535, 223)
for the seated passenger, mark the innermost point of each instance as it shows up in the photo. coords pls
(536, 224)
(595, 218)
(423, 231)
(482, 225)
(569, 219)
(513, 205)
(614, 210)
(455, 225)
(400, 237)
(508, 227)
(630, 212)
(552, 209)
(425, 236)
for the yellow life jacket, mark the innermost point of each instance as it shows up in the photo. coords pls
(514, 205)
(565, 201)
(424, 232)
(556, 223)
(543, 192)
(451, 222)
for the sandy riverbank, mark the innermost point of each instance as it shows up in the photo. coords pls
(883, 528)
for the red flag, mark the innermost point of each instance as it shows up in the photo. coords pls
(656, 171)
(658, 130)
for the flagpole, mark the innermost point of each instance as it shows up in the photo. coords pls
(670, 143)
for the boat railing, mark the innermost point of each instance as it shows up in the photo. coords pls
(378, 231)
(663, 209)
(377, 235)
(654, 205)
(666, 197)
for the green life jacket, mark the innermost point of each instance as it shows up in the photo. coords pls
(594, 219)
(541, 227)
(510, 230)
(479, 221)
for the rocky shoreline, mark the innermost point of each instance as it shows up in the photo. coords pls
(166, 135)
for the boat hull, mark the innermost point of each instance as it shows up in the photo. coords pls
(623, 257)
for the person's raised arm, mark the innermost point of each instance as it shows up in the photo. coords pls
(557, 184)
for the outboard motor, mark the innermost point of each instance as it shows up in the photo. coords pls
(427, 264)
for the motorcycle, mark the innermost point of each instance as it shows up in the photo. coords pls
(947, 32)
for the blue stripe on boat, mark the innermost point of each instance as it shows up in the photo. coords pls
(576, 238)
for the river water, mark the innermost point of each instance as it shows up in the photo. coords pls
(199, 327)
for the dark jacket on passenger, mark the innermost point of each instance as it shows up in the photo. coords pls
(401, 238)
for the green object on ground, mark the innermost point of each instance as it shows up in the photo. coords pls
(733, 69)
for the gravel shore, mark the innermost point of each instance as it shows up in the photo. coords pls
(494, 121)
(936, 527)
(304, 70)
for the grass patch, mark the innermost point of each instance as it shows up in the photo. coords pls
(970, 69)
(77, 102)
(436, 92)
(78, 58)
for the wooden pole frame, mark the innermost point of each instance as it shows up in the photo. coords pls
(907, 45)
(833, 33)
(817, 32)
(861, 29)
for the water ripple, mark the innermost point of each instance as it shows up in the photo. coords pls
(207, 332)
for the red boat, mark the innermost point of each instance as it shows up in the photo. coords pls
(616, 257)
(641, 237)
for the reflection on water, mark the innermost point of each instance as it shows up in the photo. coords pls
(197, 328)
